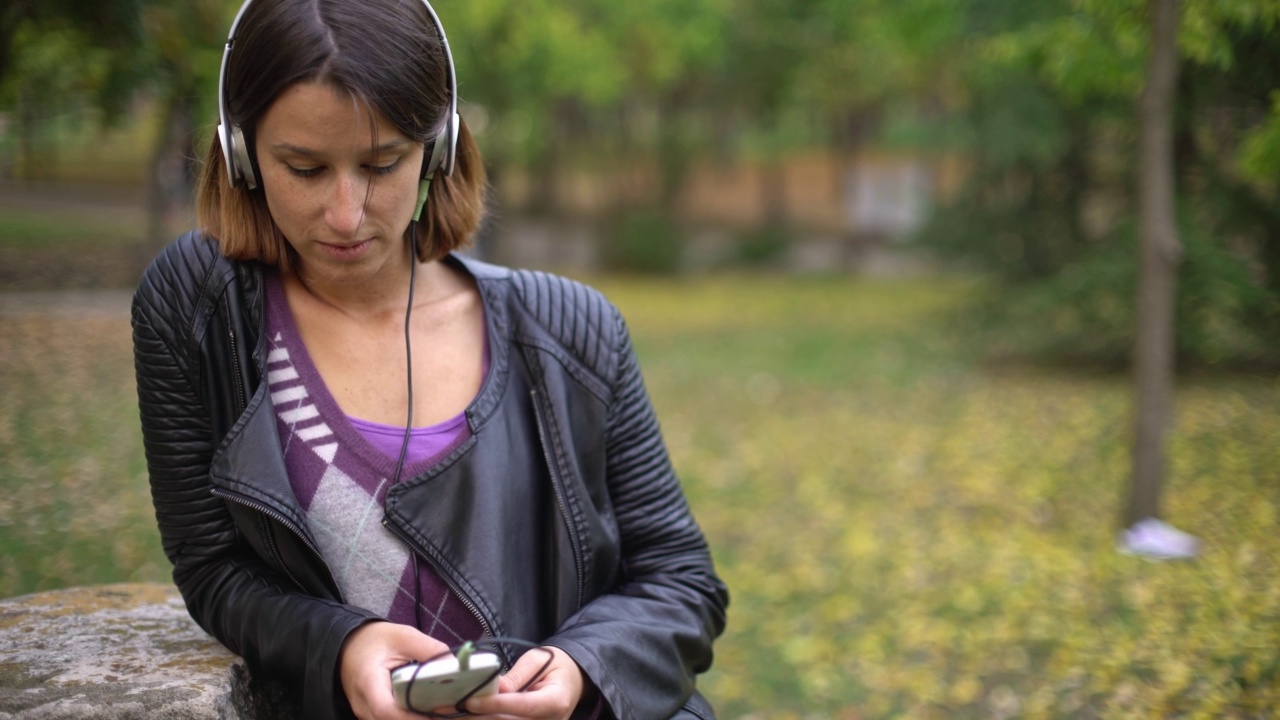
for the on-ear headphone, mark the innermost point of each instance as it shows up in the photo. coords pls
(235, 150)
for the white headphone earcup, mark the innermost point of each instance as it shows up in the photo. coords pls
(444, 151)
(451, 145)
(244, 166)
(235, 155)
(227, 162)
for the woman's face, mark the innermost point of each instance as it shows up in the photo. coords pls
(340, 185)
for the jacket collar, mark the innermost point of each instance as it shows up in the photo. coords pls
(250, 462)
(491, 282)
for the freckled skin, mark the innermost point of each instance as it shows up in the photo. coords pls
(340, 185)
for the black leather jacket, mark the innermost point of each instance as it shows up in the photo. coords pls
(560, 521)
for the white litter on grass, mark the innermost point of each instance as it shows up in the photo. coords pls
(1156, 539)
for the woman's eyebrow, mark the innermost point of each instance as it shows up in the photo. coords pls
(299, 150)
(391, 145)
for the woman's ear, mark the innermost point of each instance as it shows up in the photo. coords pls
(455, 203)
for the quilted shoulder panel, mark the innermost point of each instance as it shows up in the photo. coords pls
(576, 316)
(171, 297)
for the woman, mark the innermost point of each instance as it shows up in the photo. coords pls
(314, 531)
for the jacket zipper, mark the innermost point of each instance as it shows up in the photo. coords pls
(475, 611)
(556, 484)
(254, 505)
(235, 354)
(457, 592)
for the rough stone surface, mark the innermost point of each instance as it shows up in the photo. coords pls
(121, 652)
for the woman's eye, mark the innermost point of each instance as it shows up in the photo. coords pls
(314, 171)
(384, 169)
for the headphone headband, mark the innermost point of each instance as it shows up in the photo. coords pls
(235, 151)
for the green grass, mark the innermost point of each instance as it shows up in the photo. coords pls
(74, 504)
(34, 230)
(905, 533)
(908, 535)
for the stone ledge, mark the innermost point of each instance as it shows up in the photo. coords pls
(121, 652)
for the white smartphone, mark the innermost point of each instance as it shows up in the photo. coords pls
(440, 684)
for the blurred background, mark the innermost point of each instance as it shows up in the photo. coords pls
(880, 261)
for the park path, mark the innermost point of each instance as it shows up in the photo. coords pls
(121, 204)
(105, 303)
(115, 203)
(61, 278)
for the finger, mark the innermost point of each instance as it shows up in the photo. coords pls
(544, 683)
(376, 700)
(410, 645)
(532, 667)
(550, 702)
(385, 708)
(369, 654)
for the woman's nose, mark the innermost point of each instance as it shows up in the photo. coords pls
(345, 209)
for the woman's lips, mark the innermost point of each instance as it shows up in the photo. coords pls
(346, 252)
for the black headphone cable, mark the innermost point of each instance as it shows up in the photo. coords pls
(408, 423)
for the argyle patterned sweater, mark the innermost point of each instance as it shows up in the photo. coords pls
(341, 477)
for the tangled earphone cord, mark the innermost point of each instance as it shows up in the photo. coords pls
(464, 652)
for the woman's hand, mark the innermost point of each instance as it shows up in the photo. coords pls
(369, 654)
(553, 695)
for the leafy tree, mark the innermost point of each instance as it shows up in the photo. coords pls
(1050, 127)
(184, 49)
(60, 58)
(595, 84)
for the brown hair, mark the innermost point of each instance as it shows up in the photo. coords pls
(384, 53)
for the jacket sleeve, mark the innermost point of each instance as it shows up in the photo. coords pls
(643, 644)
(229, 591)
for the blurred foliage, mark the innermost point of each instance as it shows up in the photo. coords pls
(1050, 208)
(1085, 313)
(558, 81)
(643, 241)
(1036, 100)
(904, 533)
(65, 64)
(672, 76)
(764, 246)
(56, 55)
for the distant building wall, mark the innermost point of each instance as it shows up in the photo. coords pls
(879, 194)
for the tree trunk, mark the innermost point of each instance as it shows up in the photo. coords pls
(1161, 252)
(169, 180)
(675, 153)
(30, 163)
(851, 133)
(774, 208)
(545, 197)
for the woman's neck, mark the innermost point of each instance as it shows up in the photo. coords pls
(388, 294)
(377, 295)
